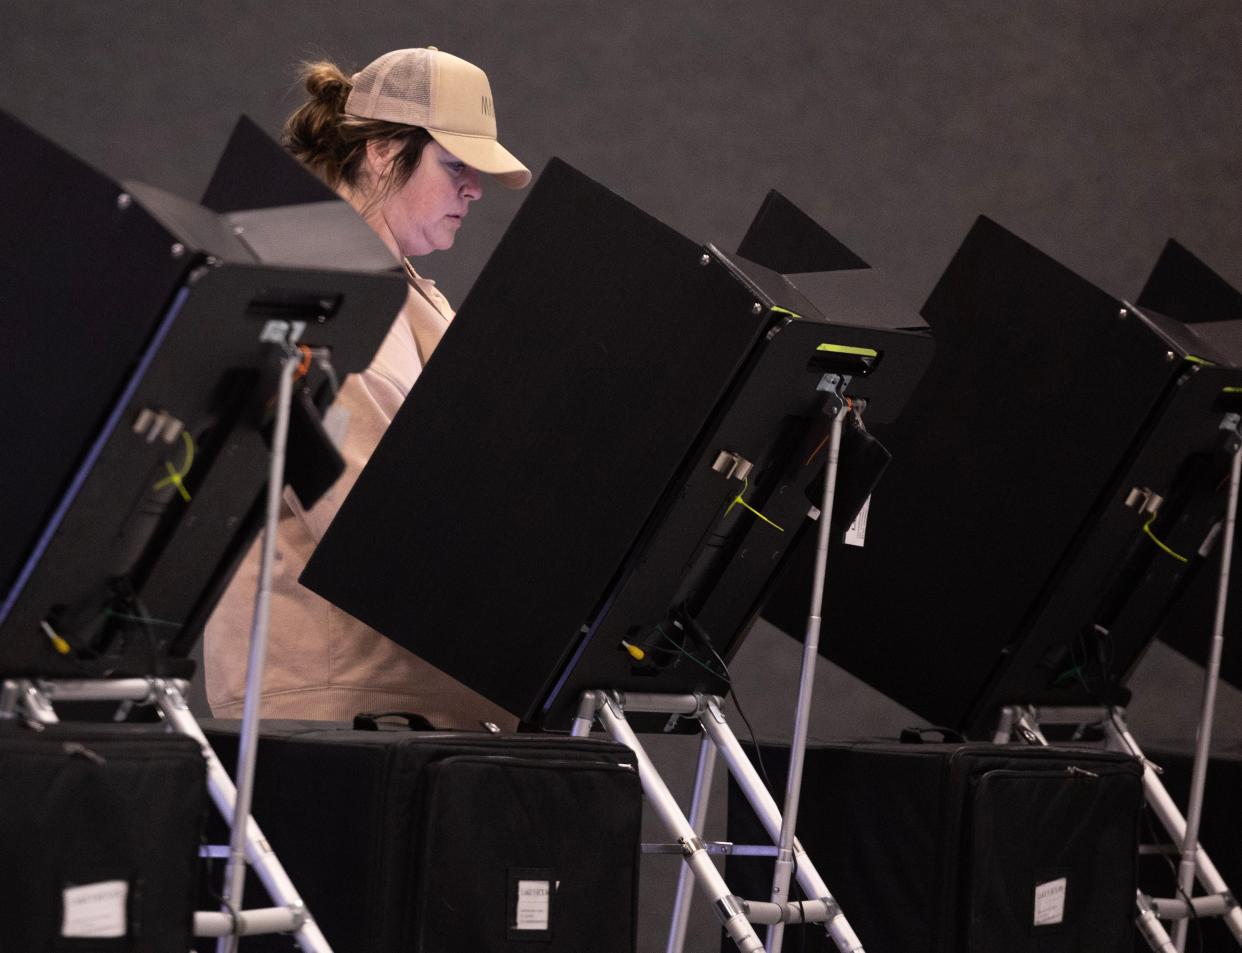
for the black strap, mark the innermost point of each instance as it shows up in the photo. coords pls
(370, 721)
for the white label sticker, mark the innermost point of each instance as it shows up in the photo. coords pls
(95, 910)
(856, 535)
(1050, 902)
(532, 904)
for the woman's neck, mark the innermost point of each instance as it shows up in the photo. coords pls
(372, 215)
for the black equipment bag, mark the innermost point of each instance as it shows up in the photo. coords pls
(962, 848)
(101, 826)
(439, 842)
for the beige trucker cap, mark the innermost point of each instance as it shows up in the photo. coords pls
(444, 94)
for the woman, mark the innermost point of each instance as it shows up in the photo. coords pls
(405, 142)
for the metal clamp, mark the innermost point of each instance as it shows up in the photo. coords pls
(730, 464)
(1232, 424)
(831, 906)
(728, 907)
(691, 845)
(614, 702)
(715, 848)
(39, 710)
(1146, 500)
(834, 384)
(300, 915)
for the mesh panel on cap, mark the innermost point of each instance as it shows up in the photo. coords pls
(396, 87)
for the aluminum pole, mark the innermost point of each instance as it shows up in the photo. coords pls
(783, 870)
(235, 872)
(1198, 781)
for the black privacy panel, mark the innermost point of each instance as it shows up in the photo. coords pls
(86, 278)
(504, 497)
(1184, 287)
(785, 239)
(255, 172)
(1013, 441)
(138, 380)
(126, 530)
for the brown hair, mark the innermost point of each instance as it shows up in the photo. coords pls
(333, 144)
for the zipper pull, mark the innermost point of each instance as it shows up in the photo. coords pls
(77, 748)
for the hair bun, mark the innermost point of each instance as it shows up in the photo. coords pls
(327, 84)
(333, 144)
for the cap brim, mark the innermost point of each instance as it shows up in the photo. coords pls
(486, 155)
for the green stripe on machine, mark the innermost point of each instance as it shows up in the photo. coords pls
(849, 349)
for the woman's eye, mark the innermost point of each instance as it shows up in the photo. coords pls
(457, 168)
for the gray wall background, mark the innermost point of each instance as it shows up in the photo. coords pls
(1094, 130)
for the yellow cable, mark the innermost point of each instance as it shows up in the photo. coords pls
(1147, 529)
(58, 643)
(635, 652)
(738, 499)
(175, 476)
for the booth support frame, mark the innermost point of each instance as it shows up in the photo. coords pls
(736, 915)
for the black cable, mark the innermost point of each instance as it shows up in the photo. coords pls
(754, 741)
(1079, 667)
(152, 643)
(1108, 657)
(679, 647)
(209, 882)
(705, 640)
(725, 675)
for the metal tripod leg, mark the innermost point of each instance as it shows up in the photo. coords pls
(1174, 823)
(1151, 928)
(698, 819)
(821, 908)
(37, 701)
(728, 908)
(256, 849)
(769, 815)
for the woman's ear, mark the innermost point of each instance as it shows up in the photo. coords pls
(380, 155)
